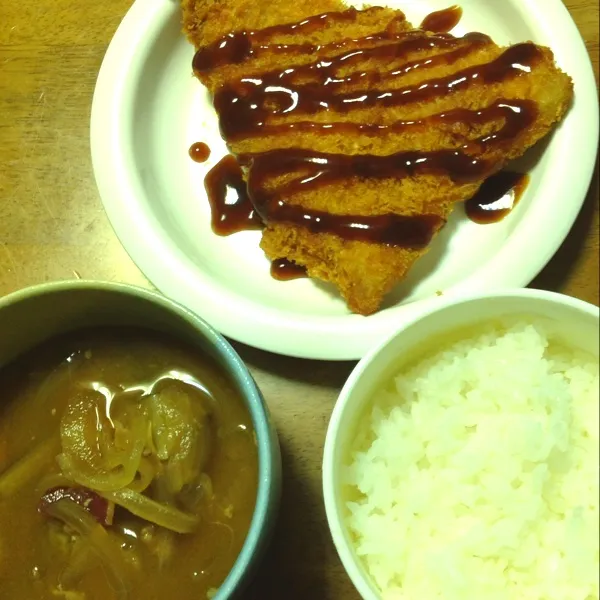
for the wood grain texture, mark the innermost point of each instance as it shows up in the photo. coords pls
(52, 226)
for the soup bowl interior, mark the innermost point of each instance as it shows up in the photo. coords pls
(568, 321)
(35, 315)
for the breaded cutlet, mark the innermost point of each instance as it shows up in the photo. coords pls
(424, 118)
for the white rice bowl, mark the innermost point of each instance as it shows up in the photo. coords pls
(475, 474)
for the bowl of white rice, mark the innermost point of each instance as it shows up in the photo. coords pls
(462, 457)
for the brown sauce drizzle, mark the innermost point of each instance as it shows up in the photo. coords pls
(412, 41)
(320, 169)
(283, 269)
(239, 46)
(250, 103)
(246, 108)
(516, 114)
(496, 197)
(230, 217)
(258, 97)
(199, 152)
(230, 207)
(207, 58)
(442, 21)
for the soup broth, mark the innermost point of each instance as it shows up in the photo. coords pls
(101, 423)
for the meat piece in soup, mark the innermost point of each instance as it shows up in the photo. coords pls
(128, 469)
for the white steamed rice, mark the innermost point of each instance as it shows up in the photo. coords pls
(476, 474)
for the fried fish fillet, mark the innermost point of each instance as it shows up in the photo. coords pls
(360, 116)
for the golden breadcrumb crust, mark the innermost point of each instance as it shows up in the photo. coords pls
(365, 272)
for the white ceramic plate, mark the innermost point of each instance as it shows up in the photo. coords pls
(148, 109)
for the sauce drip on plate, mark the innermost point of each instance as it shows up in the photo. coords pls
(497, 196)
(442, 21)
(199, 152)
(283, 269)
(231, 208)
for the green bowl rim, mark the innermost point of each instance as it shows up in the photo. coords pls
(266, 436)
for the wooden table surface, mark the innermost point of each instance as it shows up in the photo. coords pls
(53, 227)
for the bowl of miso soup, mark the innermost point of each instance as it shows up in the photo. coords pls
(137, 456)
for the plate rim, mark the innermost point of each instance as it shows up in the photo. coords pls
(341, 337)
